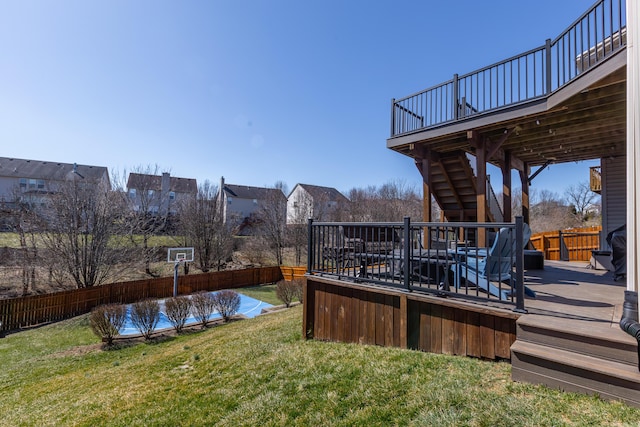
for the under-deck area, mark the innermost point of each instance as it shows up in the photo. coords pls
(569, 337)
(461, 285)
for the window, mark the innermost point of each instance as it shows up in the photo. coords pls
(150, 193)
(132, 193)
(32, 184)
(41, 184)
(23, 182)
(255, 201)
(172, 195)
(230, 199)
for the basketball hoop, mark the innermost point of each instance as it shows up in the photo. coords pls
(178, 256)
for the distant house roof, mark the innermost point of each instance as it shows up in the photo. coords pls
(247, 192)
(52, 171)
(328, 193)
(154, 182)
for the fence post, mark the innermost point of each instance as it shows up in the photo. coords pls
(519, 266)
(407, 250)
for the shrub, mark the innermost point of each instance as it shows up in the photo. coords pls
(286, 291)
(203, 307)
(177, 310)
(107, 320)
(145, 315)
(227, 303)
(299, 288)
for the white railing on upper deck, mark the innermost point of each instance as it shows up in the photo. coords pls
(595, 36)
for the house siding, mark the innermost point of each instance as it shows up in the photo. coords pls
(614, 195)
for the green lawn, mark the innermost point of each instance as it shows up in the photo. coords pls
(260, 372)
(266, 293)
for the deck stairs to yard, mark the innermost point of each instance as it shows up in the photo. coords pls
(577, 357)
(453, 185)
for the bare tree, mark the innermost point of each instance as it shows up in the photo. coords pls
(391, 202)
(272, 220)
(82, 233)
(549, 212)
(297, 238)
(23, 219)
(582, 199)
(397, 199)
(360, 208)
(202, 224)
(28, 229)
(148, 209)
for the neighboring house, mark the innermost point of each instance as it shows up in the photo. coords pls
(159, 194)
(33, 180)
(313, 201)
(241, 202)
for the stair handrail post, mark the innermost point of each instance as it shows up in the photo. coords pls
(547, 49)
(407, 252)
(519, 276)
(456, 105)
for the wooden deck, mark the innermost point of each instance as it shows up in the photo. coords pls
(568, 339)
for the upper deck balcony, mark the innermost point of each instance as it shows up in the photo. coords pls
(559, 102)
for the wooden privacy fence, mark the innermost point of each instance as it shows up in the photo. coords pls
(290, 273)
(574, 244)
(32, 310)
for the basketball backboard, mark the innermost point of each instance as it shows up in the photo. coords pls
(180, 255)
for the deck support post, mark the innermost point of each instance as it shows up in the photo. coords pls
(506, 187)
(519, 266)
(524, 181)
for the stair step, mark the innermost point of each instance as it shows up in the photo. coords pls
(612, 344)
(571, 371)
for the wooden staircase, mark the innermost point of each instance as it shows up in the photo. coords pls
(585, 359)
(453, 185)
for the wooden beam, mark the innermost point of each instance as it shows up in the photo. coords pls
(524, 182)
(506, 186)
(492, 147)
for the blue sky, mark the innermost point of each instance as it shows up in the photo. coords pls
(255, 91)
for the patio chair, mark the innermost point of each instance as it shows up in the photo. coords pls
(482, 267)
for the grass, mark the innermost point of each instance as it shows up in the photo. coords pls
(261, 372)
(12, 240)
(266, 293)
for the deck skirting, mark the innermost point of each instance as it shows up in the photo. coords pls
(356, 313)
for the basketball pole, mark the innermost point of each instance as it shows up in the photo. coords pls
(176, 264)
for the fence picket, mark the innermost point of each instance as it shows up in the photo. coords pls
(578, 242)
(35, 309)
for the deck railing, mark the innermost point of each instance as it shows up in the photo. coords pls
(426, 257)
(593, 37)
